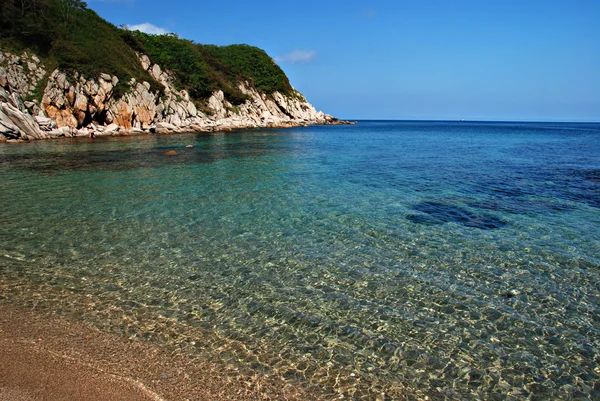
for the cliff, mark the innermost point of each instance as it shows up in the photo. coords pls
(75, 105)
(64, 71)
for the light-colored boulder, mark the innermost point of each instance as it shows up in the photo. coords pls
(45, 123)
(13, 117)
(145, 60)
(216, 103)
(174, 119)
(111, 128)
(32, 67)
(144, 106)
(105, 84)
(55, 133)
(83, 132)
(164, 125)
(80, 108)
(156, 72)
(70, 96)
(61, 80)
(9, 130)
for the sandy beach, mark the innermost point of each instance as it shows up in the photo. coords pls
(49, 358)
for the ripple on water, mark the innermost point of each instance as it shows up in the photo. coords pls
(283, 252)
(440, 212)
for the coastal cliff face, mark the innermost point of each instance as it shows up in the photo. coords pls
(75, 105)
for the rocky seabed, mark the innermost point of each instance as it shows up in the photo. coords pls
(75, 105)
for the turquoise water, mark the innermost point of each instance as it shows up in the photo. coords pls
(385, 260)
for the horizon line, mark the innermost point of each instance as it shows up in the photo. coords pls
(474, 121)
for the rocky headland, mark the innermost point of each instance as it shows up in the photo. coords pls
(75, 105)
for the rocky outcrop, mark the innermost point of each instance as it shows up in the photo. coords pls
(20, 74)
(74, 101)
(20, 77)
(75, 105)
(16, 124)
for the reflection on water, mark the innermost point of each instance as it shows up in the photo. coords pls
(384, 260)
(119, 154)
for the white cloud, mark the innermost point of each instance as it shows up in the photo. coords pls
(147, 27)
(297, 56)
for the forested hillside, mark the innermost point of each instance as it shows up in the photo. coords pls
(71, 36)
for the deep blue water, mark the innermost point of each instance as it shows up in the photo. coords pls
(385, 260)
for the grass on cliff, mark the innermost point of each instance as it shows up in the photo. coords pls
(201, 69)
(252, 64)
(75, 38)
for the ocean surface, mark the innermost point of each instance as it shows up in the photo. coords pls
(386, 260)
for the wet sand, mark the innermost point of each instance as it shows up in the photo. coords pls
(45, 357)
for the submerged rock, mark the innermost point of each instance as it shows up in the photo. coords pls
(439, 212)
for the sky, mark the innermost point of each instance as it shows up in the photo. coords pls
(518, 60)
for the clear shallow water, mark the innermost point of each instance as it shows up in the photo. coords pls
(386, 260)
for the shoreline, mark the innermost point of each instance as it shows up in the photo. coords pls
(78, 338)
(73, 105)
(50, 357)
(165, 129)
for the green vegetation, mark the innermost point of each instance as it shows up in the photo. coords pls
(178, 55)
(68, 34)
(201, 69)
(252, 64)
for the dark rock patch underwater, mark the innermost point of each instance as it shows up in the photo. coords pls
(439, 213)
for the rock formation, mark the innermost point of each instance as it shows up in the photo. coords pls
(19, 78)
(75, 105)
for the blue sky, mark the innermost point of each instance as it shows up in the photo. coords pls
(421, 59)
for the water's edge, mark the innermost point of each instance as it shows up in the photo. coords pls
(384, 260)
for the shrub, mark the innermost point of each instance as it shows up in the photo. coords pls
(75, 38)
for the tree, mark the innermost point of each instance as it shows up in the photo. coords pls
(68, 6)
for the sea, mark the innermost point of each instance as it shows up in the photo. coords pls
(385, 260)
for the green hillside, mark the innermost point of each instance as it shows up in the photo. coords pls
(68, 34)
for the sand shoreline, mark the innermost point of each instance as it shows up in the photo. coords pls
(49, 357)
